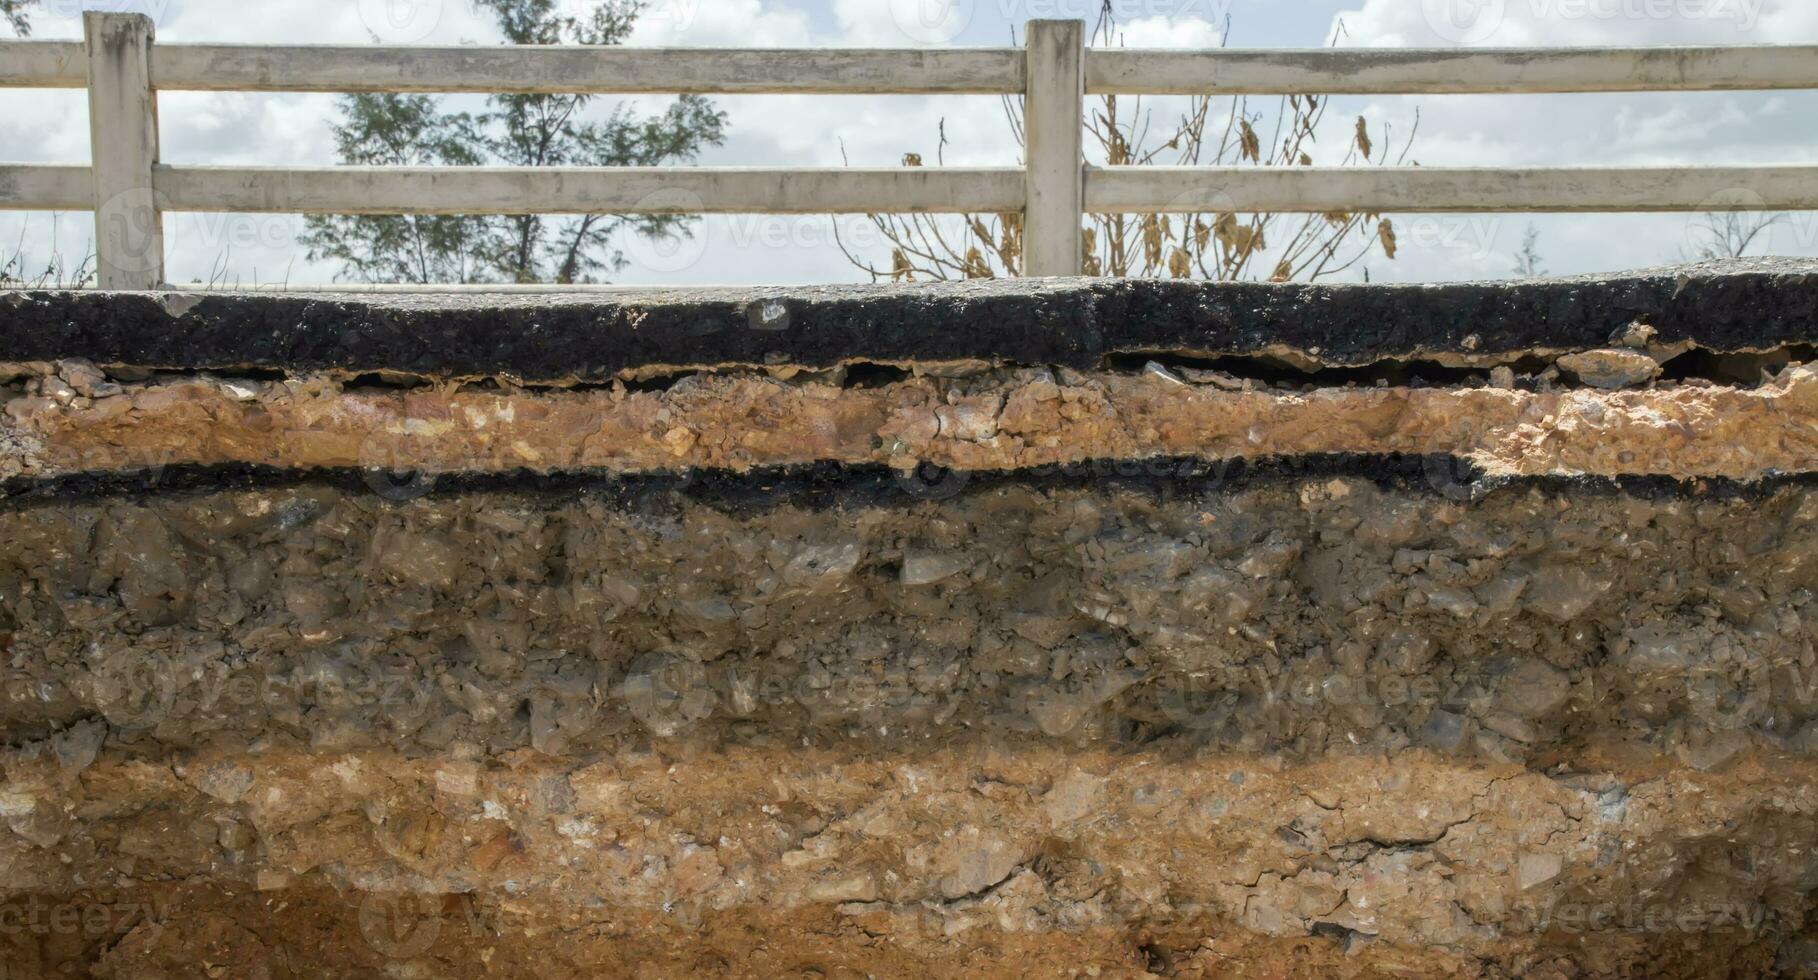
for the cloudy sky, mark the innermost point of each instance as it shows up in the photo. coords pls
(1645, 129)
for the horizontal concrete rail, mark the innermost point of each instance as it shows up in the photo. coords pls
(992, 71)
(224, 67)
(43, 64)
(1132, 190)
(561, 69)
(1173, 190)
(1450, 70)
(46, 187)
(615, 190)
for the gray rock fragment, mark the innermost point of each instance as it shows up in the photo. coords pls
(1534, 870)
(227, 783)
(926, 569)
(1714, 751)
(1444, 731)
(77, 746)
(1564, 592)
(975, 862)
(822, 568)
(1532, 690)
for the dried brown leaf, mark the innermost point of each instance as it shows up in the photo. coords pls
(1179, 265)
(1385, 233)
(976, 266)
(1152, 240)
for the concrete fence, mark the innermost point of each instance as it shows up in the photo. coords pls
(129, 189)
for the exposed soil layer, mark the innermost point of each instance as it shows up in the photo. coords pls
(1737, 306)
(241, 932)
(991, 420)
(1115, 629)
(1291, 617)
(987, 861)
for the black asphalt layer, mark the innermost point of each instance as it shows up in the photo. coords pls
(588, 336)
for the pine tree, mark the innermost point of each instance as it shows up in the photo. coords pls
(402, 131)
(1527, 261)
(518, 131)
(14, 13)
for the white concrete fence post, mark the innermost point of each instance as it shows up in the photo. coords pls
(1053, 120)
(123, 130)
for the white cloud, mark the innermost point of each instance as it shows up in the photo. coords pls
(724, 23)
(1524, 23)
(1589, 130)
(1169, 31)
(901, 23)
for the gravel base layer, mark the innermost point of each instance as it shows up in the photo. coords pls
(1316, 718)
(1284, 614)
